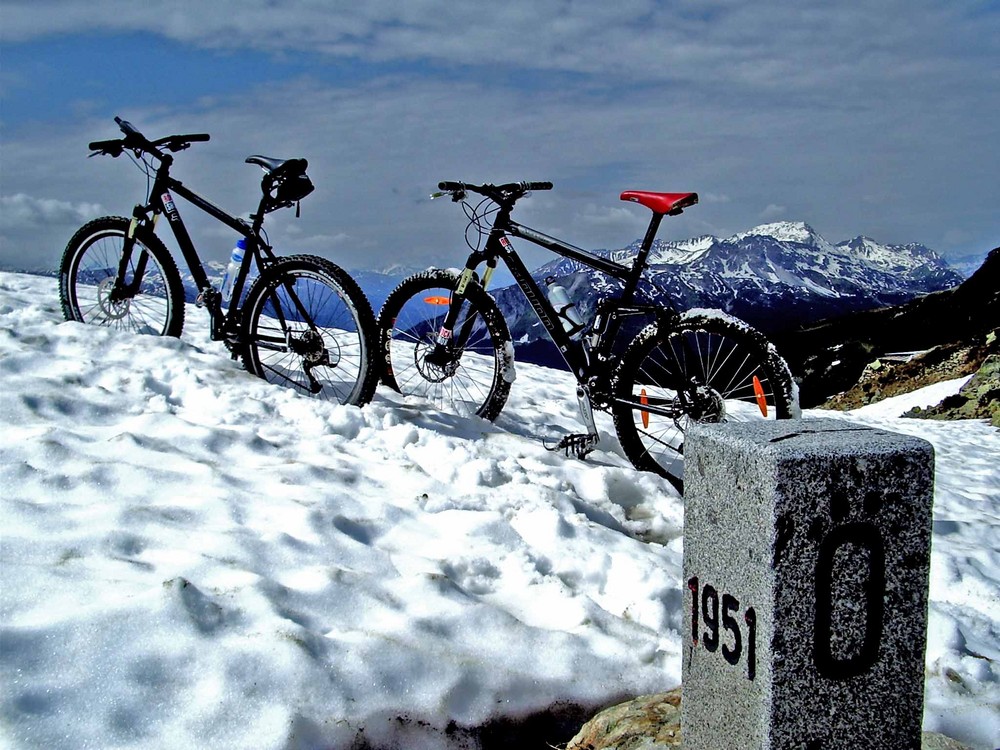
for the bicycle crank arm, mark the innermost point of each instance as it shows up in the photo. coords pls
(586, 410)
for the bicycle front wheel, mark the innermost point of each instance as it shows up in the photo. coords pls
(150, 298)
(476, 378)
(308, 326)
(704, 369)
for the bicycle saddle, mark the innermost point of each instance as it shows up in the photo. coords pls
(661, 203)
(278, 166)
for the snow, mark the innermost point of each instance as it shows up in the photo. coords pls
(682, 253)
(787, 231)
(191, 557)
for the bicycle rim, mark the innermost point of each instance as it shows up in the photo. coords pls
(91, 280)
(708, 372)
(304, 333)
(468, 383)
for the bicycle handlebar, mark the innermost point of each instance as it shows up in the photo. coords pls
(135, 140)
(496, 192)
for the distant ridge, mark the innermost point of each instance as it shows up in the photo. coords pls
(776, 276)
(829, 356)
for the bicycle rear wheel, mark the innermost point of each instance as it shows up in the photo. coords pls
(308, 326)
(705, 369)
(477, 377)
(87, 274)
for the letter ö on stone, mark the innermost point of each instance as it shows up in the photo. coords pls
(806, 558)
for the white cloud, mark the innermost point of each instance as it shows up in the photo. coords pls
(804, 104)
(773, 47)
(774, 211)
(20, 211)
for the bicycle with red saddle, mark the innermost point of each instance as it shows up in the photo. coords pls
(442, 337)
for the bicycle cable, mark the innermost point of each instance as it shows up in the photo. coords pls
(477, 216)
(145, 166)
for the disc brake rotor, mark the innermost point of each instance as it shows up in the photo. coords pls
(705, 404)
(432, 373)
(113, 310)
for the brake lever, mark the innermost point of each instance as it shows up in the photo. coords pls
(457, 196)
(114, 154)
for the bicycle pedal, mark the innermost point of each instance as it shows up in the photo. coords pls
(577, 444)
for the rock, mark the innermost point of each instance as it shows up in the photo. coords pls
(883, 378)
(653, 722)
(649, 722)
(978, 399)
(935, 741)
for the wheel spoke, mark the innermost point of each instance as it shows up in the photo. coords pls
(304, 302)
(471, 384)
(713, 363)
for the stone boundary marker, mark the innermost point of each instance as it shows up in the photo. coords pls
(806, 563)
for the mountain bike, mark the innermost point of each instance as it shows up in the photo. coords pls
(303, 323)
(442, 337)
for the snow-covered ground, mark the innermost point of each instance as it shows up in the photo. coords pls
(193, 558)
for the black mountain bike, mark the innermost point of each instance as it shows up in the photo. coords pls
(442, 337)
(304, 323)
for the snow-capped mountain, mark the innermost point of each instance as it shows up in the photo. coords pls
(775, 276)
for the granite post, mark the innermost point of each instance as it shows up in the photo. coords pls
(806, 562)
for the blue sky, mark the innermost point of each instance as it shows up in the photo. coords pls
(880, 118)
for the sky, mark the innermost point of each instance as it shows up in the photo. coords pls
(881, 118)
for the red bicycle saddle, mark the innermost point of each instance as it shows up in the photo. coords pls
(661, 203)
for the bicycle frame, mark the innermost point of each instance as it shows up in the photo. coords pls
(607, 321)
(162, 202)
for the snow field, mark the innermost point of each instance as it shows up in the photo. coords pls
(192, 557)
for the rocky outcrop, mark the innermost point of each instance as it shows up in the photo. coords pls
(978, 399)
(649, 722)
(886, 377)
(653, 722)
(830, 357)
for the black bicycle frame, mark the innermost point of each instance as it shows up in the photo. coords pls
(162, 202)
(575, 353)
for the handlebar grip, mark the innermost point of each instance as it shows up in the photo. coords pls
(195, 137)
(529, 186)
(451, 186)
(115, 144)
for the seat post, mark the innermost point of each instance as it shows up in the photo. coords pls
(651, 230)
(639, 264)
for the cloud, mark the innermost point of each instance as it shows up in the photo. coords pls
(802, 105)
(774, 47)
(20, 212)
(774, 211)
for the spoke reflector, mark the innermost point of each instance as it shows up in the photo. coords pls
(758, 390)
(645, 414)
(436, 300)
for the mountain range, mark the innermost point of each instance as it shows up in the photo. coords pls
(777, 277)
(830, 356)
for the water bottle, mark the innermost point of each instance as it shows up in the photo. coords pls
(235, 261)
(569, 316)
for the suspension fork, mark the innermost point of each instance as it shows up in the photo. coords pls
(447, 340)
(122, 290)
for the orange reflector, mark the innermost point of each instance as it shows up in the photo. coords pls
(758, 390)
(645, 414)
(436, 300)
